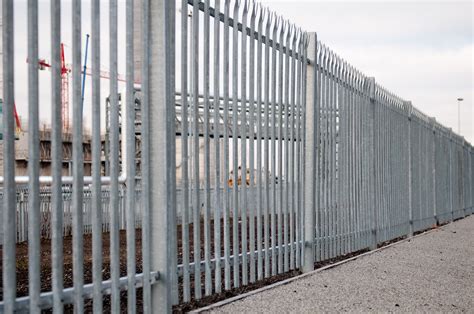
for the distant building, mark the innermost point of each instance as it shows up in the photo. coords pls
(22, 159)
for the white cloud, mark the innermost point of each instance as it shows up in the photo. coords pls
(423, 50)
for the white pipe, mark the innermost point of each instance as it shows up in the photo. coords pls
(64, 179)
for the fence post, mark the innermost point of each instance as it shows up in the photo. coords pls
(311, 152)
(471, 181)
(371, 93)
(433, 127)
(451, 196)
(471, 199)
(162, 151)
(463, 170)
(409, 106)
(9, 187)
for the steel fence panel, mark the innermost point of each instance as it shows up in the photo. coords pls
(96, 152)
(218, 181)
(33, 168)
(9, 197)
(184, 152)
(130, 170)
(239, 115)
(207, 183)
(226, 194)
(289, 157)
(146, 160)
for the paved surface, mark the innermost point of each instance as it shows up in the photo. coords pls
(431, 273)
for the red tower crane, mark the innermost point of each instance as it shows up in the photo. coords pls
(17, 119)
(65, 70)
(64, 91)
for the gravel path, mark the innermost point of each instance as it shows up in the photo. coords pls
(431, 273)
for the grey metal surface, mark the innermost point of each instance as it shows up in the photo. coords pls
(207, 157)
(243, 145)
(46, 298)
(235, 146)
(77, 160)
(162, 180)
(252, 188)
(96, 164)
(195, 182)
(145, 182)
(226, 194)
(114, 159)
(184, 151)
(9, 198)
(56, 162)
(33, 166)
(130, 153)
(311, 157)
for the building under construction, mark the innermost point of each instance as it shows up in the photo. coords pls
(21, 143)
(21, 154)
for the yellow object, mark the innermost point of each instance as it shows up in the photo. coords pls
(230, 182)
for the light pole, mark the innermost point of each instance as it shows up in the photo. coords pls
(459, 115)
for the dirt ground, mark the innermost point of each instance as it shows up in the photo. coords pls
(45, 263)
(46, 272)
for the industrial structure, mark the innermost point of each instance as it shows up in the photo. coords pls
(21, 153)
(21, 145)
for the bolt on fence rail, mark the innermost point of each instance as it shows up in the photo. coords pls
(261, 152)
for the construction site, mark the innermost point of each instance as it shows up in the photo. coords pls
(21, 123)
(21, 129)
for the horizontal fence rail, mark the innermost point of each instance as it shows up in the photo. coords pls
(245, 150)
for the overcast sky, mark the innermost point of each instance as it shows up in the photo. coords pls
(422, 51)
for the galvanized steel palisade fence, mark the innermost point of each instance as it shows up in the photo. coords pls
(252, 191)
(287, 155)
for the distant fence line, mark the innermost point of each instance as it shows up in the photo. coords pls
(46, 210)
(356, 165)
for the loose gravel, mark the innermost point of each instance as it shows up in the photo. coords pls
(430, 273)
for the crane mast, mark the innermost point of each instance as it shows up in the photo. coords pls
(64, 92)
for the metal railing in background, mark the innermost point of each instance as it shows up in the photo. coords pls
(277, 154)
(46, 209)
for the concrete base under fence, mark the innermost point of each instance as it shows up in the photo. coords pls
(427, 273)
